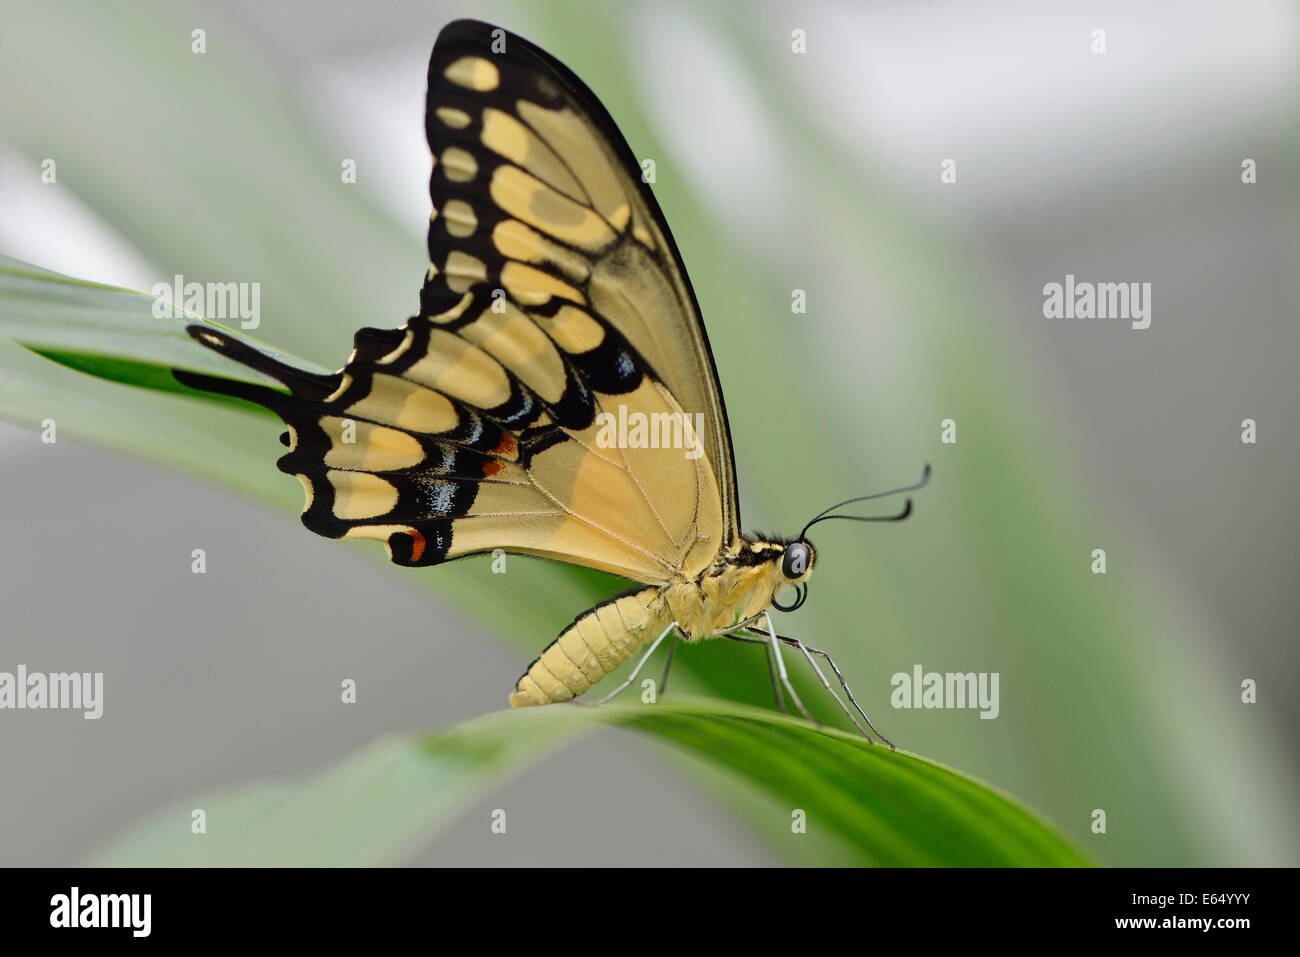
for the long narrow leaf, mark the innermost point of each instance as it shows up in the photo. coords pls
(865, 803)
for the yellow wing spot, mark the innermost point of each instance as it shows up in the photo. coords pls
(532, 287)
(529, 199)
(450, 116)
(464, 270)
(519, 345)
(374, 448)
(573, 140)
(455, 312)
(461, 369)
(400, 350)
(307, 490)
(461, 167)
(573, 329)
(359, 495)
(379, 533)
(506, 136)
(344, 385)
(641, 230)
(461, 221)
(407, 405)
(619, 218)
(474, 73)
(514, 240)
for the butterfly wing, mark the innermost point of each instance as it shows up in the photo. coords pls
(556, 309)
(566, 207)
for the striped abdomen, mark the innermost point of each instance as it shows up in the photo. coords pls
(591, 648)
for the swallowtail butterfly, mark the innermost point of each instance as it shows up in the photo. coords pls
(556, 395)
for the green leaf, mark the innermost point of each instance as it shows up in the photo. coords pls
(109, 331)
(858, 803)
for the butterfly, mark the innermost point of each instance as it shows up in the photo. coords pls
(556, 395)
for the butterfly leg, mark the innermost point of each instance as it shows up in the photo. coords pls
(771, 667)
(668, 662)
(635, 671)
(785, 676)
(827, 685)
(808, 652)
(847, 690)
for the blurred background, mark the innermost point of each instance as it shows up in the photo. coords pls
(777, 171)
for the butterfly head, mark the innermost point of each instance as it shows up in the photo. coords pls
(772, 564)
(797, 561)
(797, 556)
(796, 565)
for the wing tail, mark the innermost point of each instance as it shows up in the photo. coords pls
(302, 385)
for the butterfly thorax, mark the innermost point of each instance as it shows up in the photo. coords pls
(736, 589)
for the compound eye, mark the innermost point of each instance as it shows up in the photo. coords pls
(795, 561)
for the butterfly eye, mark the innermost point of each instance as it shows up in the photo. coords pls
(795, 561)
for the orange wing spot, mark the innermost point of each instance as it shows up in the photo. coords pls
(507, 446)
(417, 544)
(492, 467)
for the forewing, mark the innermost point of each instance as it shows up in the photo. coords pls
(556, 395)
(537, 194)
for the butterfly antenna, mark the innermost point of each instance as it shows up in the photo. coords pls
(907, 506)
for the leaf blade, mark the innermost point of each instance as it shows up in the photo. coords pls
(381, 804)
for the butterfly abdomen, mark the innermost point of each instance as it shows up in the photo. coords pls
(592, 647)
